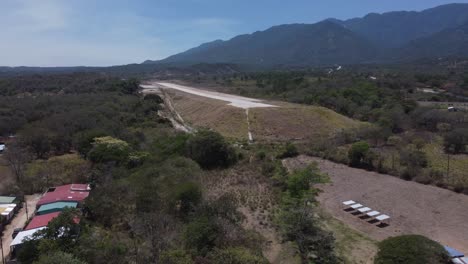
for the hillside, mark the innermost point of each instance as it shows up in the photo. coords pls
(394, 29)
(384, 38)
(447, 43)
(302, 44)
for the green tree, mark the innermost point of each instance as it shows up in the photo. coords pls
(237, 255)
(394, 141)
(210, 150)
(187, 196)
(289, 151)
(61, 233)
(38, 139)
(175, 257)
(411, 249)
(106, 149)
(357, 153)
(456, 141)
(58, 257)
(200, 235)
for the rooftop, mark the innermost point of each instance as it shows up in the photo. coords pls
(41, 220)
(64, 193)
(56, 205)
(24, 235)
(7, 199)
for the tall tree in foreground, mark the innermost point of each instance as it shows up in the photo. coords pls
(411, 249)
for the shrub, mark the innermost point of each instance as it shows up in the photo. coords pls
(210, 150)
(200, 235)
(235, 256)
(411, 249)
(456, 141)
(289, 151)
(188, 195)
(58, 258)
(175, 257)
(357, 153)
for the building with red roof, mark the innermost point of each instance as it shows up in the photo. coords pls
(65, 193)
(41, 220)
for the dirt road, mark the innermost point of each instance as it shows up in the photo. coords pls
(18, 222)
(414, 208)
(234, 100)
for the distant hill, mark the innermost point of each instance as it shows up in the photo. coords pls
(388, 37)
(395, 29)
(451, 42)
(325, 42)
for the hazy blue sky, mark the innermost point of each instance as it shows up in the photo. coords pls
(110, 32)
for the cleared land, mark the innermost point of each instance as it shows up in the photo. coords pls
(200, 112)
(415, 208)
(282, 123)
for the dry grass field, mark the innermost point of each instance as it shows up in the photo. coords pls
(201, 112)
(283, 123)
(297, 122)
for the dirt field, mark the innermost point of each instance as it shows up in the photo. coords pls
(210, 113)
(414, 208)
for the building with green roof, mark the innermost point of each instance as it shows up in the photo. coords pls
(55, 207)
(8, 200)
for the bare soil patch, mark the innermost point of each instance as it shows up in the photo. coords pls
(283, 123)
(210, 113)
(414, 208)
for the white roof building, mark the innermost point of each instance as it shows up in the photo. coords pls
(23, 235)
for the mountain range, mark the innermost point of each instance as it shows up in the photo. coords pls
(389, 37)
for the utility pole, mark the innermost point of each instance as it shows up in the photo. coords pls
(26, 207)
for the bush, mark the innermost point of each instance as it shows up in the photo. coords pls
(235, 256)
(58, 258)
(175, 257)
(456, 141)
(188, 195)
(411, 249)
(200, 235)
(210, 150)
(289, 151)
(357, 153)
